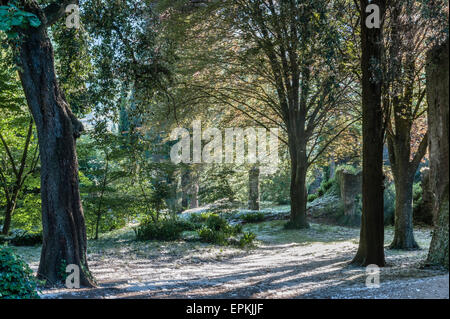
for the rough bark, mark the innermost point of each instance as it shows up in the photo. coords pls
(371, 244)
(438, 118)
(64, 233)
(253, 188)
(403, 229)
(298, 191)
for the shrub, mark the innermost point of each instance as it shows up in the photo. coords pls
(165, 230)
(208, 235)
(312, 197)
(326, 185)
(320, 192)
(16, 277)
(218, 231)
(27, 239)
(247, 239)
(200, 218)
(253, 217)
(215, 222)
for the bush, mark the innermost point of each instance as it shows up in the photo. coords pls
(312, 197)
(218, 231)
(215, 222)
(16, 277)
(200, 218)
(253, 217)
(207, 235)
(165, 230)
(26, 239)
(326, 185)
(247, 239)
(320, 192)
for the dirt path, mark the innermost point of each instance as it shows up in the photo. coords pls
(285, 264)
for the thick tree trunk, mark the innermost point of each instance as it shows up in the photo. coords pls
(64, 233)
(371, 245)
(298, 191)
(438, 119)
(253, 188)
(403, 234)
(403, 171)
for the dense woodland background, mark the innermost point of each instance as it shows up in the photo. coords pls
(86, 117)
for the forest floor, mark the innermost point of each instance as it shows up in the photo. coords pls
(311, 263)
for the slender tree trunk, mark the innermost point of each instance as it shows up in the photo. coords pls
(371, 245)
(438, 119)
(194, 195)
(8, 216)
(97, 224)
(185, 188)
(253, 188)
(64, 233)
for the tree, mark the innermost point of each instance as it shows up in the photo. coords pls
(18, 153)
(279, 64)
(371, 243)
(64, 233)
(408, 33)
(438, 116)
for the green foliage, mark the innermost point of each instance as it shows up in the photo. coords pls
(389, 205)
(312, 197)
(200, 218)
(26, 239)
(217, 186)
(16, 277)
(253, 217)
(215, 229)
(417, 195)
(165, 230)
(320, 192)
(247, 239)
(348, 168)
(276, 189)
(326, 185)
(216, 223)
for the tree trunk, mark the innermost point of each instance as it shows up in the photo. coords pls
(97, 224)
(194, 195)
(185, 187)
(8, 216)
(253, 188)
(438, 118)
(403, 234)
(298, 190)
(371, 244)
(64, 233)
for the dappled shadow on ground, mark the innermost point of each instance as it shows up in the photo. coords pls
(285, 264)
